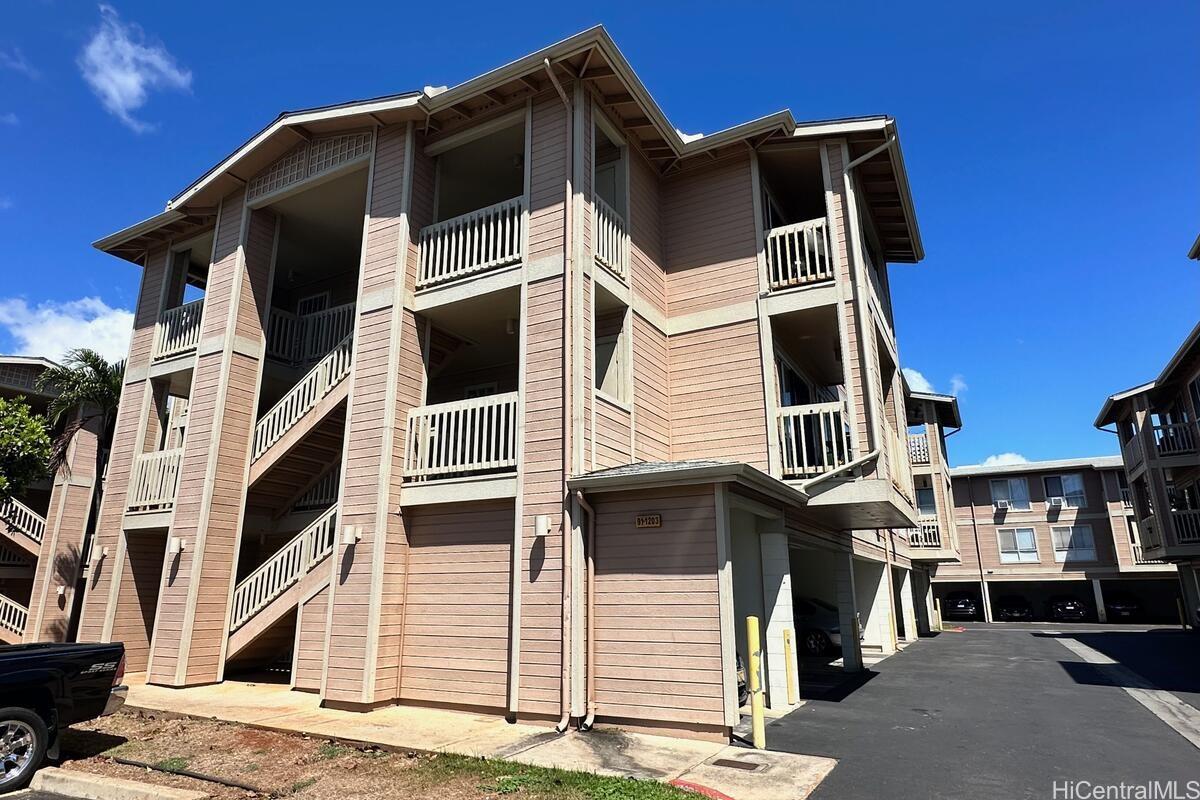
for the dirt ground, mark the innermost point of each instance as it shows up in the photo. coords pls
(283, 765)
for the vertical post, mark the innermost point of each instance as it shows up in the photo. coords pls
(788, 658)
(754, 677)
(985, 597)
(1098, 593)
(937, 613)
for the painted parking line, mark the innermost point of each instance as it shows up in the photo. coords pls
(1180, 716)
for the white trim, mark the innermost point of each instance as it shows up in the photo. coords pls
(479, 131)
(311, 181)
(1016, 543)
(725, 600)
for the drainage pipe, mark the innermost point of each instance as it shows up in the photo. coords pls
(590, 590)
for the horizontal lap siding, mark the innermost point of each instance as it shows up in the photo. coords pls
(711, 245)
(141, 580)
(646, 259)
(310, 642)
(717, 407)
(651, 392)
(658, 628)
(124, 447)
(547, 189)
(612, 435)
(456, 628)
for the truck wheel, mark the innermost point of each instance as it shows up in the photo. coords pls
(23, 740)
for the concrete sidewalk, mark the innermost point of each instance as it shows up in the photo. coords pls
(751, 774)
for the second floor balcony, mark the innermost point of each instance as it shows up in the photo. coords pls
(1174, 439)
(464, 438)
(798, 255)
(927, 535)
(812, 439)
(178, 330)
(473, 243)
(154, 481)
(918, 448)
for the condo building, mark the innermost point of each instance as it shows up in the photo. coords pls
(512, 398)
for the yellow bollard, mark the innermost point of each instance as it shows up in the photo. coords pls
(754, 676)
(791, 665)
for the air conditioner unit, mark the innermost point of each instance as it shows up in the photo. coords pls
(1003, 505)
(1056, 502)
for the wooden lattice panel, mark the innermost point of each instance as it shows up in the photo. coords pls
(309, 160)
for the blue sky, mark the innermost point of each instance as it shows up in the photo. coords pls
(1052, 150)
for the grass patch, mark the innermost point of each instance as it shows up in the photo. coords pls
(300, 786)
(506, 778)
(172, 764)
(329, 750)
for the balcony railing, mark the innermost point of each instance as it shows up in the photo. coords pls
(1131, 451)
(1187, 526)
(154, 481)
(927, 535)
(308, 391)
(798, 254)
(485, 239)
(611, 242)
(22, 518)
(13, 616)
(323, 493)
(918, 448)
(1174, 438)
(1138, 558)
(813, 439)
(1148, 531)
(462, 438)
(306, 338)
(1126, 497)
(178, 330)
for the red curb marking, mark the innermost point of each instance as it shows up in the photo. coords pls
(705, 791)
(957, 629)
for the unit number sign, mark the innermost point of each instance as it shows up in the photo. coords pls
(648, 521)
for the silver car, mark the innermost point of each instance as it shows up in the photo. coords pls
(818, 624)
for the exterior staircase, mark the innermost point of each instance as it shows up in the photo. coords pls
(22, 525)
(322, 389)
(279, 584)
(13, 617)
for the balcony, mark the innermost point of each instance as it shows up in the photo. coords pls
(1126, 497)
(813, 439)
(1174, 439)
(927, 535)
(1186, 523)
(798, 255)
(918, 448)
(303, 339)
(1140, 559)
(1131, 452)
(461, 439)
(154, 481)
(178, 330)
(610, 239)
(469, 244)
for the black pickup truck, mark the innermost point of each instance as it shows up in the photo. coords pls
(44, 688)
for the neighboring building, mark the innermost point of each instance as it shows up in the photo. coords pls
(510, 398)
(1041, 530)
(1157, 427)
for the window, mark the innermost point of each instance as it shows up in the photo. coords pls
(926, 505)
(1073, 543)
(610, 331)
(1069, 487)
(1014, 491)
(1017, 545)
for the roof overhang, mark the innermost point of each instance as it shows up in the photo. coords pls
(1108, 412)
(945, 406)
(651, 475)
(1194, 253)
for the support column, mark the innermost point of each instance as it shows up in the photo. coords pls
(907, 608)
(1098, 594)
(922, 591)
(847, 600)
(60, 562)
(876, 595)
(985, 597)
(192, 621)
(777, 603)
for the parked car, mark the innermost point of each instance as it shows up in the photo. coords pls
(819, 625)
(43, 689)
(1068, 609)
(743, 688)
(960, 605)
(1122, 607)
(1013, 607)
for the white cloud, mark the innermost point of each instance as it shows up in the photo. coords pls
(958, 385)
(122, 68)
(9, 118)
(15, 60)
(916, 381)
(689, 137)
(51, 329)
(1004, 459)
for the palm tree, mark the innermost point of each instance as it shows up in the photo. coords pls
(88, 388)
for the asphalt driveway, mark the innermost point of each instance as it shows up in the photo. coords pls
(1000, 713)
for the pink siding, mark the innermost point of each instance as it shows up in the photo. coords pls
(310, 642)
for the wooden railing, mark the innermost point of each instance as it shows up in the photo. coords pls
(22, 518)
(462, 438)
(316, 383)
(927, 535)
(1174, 438)
(323, 493)
(609, 238)
(1131, 451)
(812, 439)
(481, 240)
(305, 338)
(11, 557)
(1139, 558)
(798, 254)
(178, 330)
(1126, 497)
(918, 448)
(1187, 526)
(282, 570)
(154, 481)
(13, 615)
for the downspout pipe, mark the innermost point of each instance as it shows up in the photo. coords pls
(567, 443)
(590, 590)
